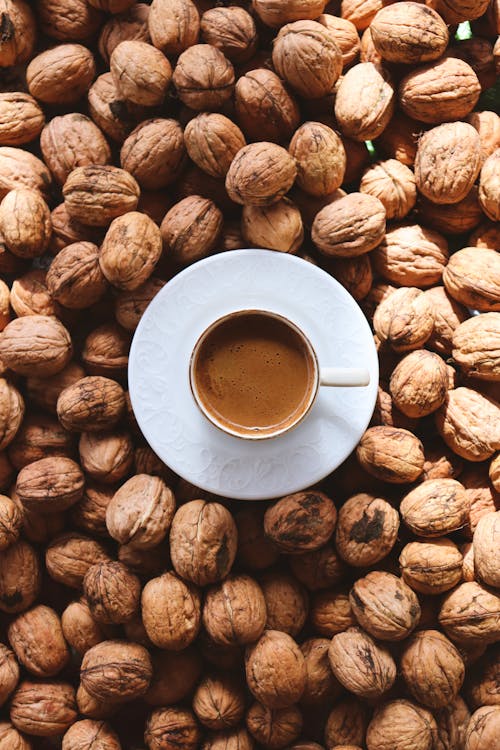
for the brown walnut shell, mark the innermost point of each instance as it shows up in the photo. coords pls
(385, 606)
(275, 670)
(266, 110)
(112, 592)
(19, 35)
(132, 25)
(26, 223)
(40, 436)
(38, 641)
(486, 549)
(277, 227)
(276, 13)
(286, 601)
(88, 732)
(431, 566)
(457, 11)
(219, 702)
(175, 675)
(79, 628)
(448, 315)
(411, 255)
(361, 665)
(482, 730)
(320, 158)
(472, 277)
(489, 187)
(20, 577)
(75, 278)
(471, 613)
(174, 727)
(346, 724)
(11, 412)
(301, 522)
(409, 33)
(98, 194)
(141, 73)
(174, 26)
(476, 346)
(469, 423)
(203, 77)
(43, 709)
(487, 124)
(69, 556)
(350, 226)
(106, 457)
(401, 722)
(235, 611)
(419, 383)
(131, 249)
(105, 351)
(331, 612)
(61, 75)
(391, 454)
(232, 30)
(11, 522)
(21, 118)
(9, 671)
(393, 183)
(321, 685)
(73, 21)
(116, 671)
(364, 102)
(367, 529)
(191, 229)
(130, 305)
(435, 507)
(182, 601)
(260, 174)
(50, 484)
(345, 34)
(21, 169)
(111, 113)
(71, 141)
(213, 140)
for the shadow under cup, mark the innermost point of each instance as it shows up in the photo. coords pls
(254, 374)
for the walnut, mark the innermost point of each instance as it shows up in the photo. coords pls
(191, 229)
(435, 507)
(399, 139)
(21, 118)
(448, 315)
(276, 13)
(38, 641)
(141, 72)
(50, 484)
(456, 218)
(469, 424)
(277, 227)
(90, 733)
(9, 674)
(287, 603)
(431, 566)
(174, 25)
(21, 169)
(75, 278)
(367, 530)
(11, 739)
(260, 174)
(486, 549)
(132, 25)
(487, 125)
(319, 569)
(411, 255)
(66, 231)
(404, 319)
(90, 706)
(448, 161)
(364, 103)
(203, 541)
(106, 457)
(40, 436)
(419, 383)
(182, 601)
(11, 412)
(105, 351)
(346, 723)
(26, 224)
(255, 551)
(456, 11)
(11, 521)
(232, 30)
(61, 75)
(489, 190)
(409, 33)
(307, 57)
(475, 346)
(80, 629)
(321, 686)
(203, 77)
(172, 728)
(331, 612)
(141, 512)
(112, 592)
(98, 194)
(472, 277)
(274, 728)
(71, 141)
(401, 723)
(131, 305)
(116, 671)
(114, 115)
(483, 688)
(360, 665)
(44, 392)
(393, 184)
(350, 226)
(345, 35)
(301, 522)
(391, 454)
(147, 462)
(432, 668)
(482, 730)
(213, 140)
(385, 606)
(320, 157)
(233, 739)
(234, 612)
(19, 577)
(219, 702)
(452, 723)
(275, 669)
(75, 20)
(471, 613)
(131, 248)
(442, 91)
(355, 274)
(18, 34)
(175, 675)
(265, 109)
(69, 556)
(29, 295)
(478, 53)
(43, 709)
(468, 572)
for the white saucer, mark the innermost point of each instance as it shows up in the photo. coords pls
(159, 384)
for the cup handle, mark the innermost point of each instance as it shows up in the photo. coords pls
(344, 376)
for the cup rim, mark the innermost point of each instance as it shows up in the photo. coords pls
(213, 420)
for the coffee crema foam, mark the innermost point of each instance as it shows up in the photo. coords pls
(253, 372)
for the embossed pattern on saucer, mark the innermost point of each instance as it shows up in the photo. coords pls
(159, 382)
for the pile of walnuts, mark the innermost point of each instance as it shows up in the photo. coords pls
(136, 610)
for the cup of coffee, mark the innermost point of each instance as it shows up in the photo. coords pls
(254, 374)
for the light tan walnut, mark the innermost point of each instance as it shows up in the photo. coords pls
(385, 606)
(469, 423)
(457, 11)
(486, 549)
(111, 113)
(277, 227)
(71, 141)
(9, 671)
(131, 249)
(411, 255)
(213, 140)
(435, 507)
(393, 183)
(74, 278)
(230, 29)
(266, 110)
(69, 556)
(90, 733)
(364, 102)
(43, 709)
(182, 601)
(409, 32)
(431, 566)
(260, 174)
(276, 13)
(98, 194)
(471, 613)
(132, 25)
(489, 186)
(106, 457)
(74, 21)
(391, 454)
(472, 277)
(25, 221)
(191, 229)
(476, 346)
(361, 665)
(79, 628)
(61, 75)
(112, 592)
(487, 124)
(401, 723)
(404, 320)
(11, 412)
(287, 602)
(203, 77)
(19, 37)
(174, 26)
(448, 315)
(482, 730)
(345, 34)
(141, 72)
(21, 118)
(275, 670)
(21, 169)
(38, 641)
(105, 351)
(350, 226)
(321, 158)
(30, 295)
(419, 383)
(50, 484)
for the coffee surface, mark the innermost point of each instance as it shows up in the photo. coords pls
(254, 372)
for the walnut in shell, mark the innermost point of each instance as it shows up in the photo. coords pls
(61, 75)
(346, 723)
(319, 569)
(431, 566)
(448, 161)
(400, 724)
(80, 629)
(487, 124)
(44, 392)
(75, 278)
(213, 140)
(106, 457)
(361, 665)
(393, 183)
(320, 157)
(275, 670)
(277, 227)
(97, 194)
(21, 169)
(20, 577)
(71, 141)
(182, 601)
(11, 522)
(457, 11)
(411, 255)
(301, 522)
(40, 436)
(167, 728)
(345, 34)
(203, 77)
(141, 512)
(235, 611)
(476, 346)
(230, 29)
(43, 709)
(276, 13)
(286, 602)
(321, 686)
(482, 730)
(175, 675)
(385, 606)
(350, 226)
(91, 404)
(219, 702)
(435, 507)
(260, 174)
(90, 733)
(131, 248)
(469, 423)
(105, 351)
(391, 454)
(233, 739)
(448, 315)
(489, 186)
(132, 25)
(66, 231)
(116, 671)
(11, 412)
(74, 21)
(419, 383)
(69, 556)
(130, 305)
(9, 674)
(191, 229)
(409, 32)
(364, 103)
(367, 529)
(266, 110)
(112, 592)
(38, 641)
(486, 549)
(432, 668)
(404, 319)
(472, 277)
(471, 613)
(26, 223)
(141, 72)
(174, 26)
(19, 35)
(355, 274)
(50, 484)
(113, 114)
(331, 612)
(255, 551)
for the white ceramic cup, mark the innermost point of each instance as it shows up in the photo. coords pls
(322, 376)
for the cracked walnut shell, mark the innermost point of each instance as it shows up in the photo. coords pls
(367, 529)
(385, 606)
(116, 671)
(260, 174)
(275, 670)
